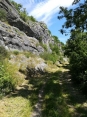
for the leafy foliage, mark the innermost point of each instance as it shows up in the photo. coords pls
(76, 46)
(8, 78)
(55, 48)
(23, 13)
(49, 56)
(32, 18)
(17, 6)
(56, 40)
(76, 50)
(76, 18)
(2, 15)
(44, 46)
(3, 53)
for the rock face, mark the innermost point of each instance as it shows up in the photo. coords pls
(14, 18)
(24, 36)
(11, 12)
(37, 30)
(12, 38)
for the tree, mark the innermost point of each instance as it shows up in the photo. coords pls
(76, 50)
(75, 17)
(24, 14)
(76, 46)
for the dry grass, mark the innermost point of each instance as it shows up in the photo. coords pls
(15, 107)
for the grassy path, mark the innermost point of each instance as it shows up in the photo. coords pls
(76, 101)
(52, 95)
(26, 101)
(17, 103)
(62, 98)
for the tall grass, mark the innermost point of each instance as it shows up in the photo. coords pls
(8, 77)
(49, 56)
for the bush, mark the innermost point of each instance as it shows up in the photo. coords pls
(17, 6)
(3, 53)
(49, 56)
(23, 13)
(56, 40)
(55, 49)
(32, 18)
(8, 78)
(3, 15)
(44, 46)
(16, 52)
(76, 50)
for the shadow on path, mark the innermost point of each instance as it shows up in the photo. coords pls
(53, 95)
(75, 100)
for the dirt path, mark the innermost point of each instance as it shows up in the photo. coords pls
(37, 112)
(76, 101)
(20, 104)
(38, 106)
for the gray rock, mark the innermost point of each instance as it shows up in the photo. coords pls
(37, 30)
(14, 39)
(23, 36)
(40, 66)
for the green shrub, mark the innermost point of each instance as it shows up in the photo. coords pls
(27, 54)
(44, 46)
(16, 52)
(3, 53)
(76, 50)
(56, 40)
(3, 15)
(49, 56)
(32, 18)
(8, 77)
(49, 32)
(24, 15)
(17, 6)
(55, 48)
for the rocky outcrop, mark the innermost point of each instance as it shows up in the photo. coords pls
(11, 12)
(31, 36)
(37, 30)
(14, 39)
(31, 66)
(14, 18)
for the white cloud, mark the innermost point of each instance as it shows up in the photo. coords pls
(45, 9)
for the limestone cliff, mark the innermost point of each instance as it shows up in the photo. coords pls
(21, 35)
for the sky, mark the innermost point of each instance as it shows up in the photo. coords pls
(47, 11)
